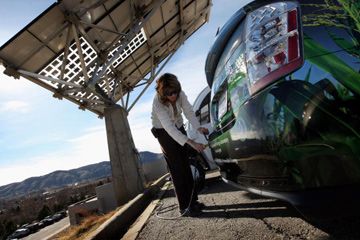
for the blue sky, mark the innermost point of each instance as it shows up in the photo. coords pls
(40, 134)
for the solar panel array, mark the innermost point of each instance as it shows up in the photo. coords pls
(95, 52)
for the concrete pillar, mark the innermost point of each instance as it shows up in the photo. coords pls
(127, 176)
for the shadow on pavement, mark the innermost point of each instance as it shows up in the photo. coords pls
(213, 186)
(250, 210)
(342, 228)
(218, 187)
(259, 207)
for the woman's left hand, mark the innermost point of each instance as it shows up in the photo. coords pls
(203, 130)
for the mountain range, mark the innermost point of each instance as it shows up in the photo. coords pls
(58, 179)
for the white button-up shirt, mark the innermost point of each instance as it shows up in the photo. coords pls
(163, 116)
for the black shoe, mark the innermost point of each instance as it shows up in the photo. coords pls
(198, 205)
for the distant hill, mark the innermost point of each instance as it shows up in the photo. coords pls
(60, 179)
(147, 157)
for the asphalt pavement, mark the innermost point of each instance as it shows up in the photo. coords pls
(231, 213)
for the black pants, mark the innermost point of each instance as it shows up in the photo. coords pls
(177, 159)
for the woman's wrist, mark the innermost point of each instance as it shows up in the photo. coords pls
(191, 143)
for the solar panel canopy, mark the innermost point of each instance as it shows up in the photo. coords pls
(95, 52)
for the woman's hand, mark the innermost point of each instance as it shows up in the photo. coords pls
(197, 146)
(203, 130)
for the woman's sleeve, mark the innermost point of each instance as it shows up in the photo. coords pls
(188, 111)
(167, 124)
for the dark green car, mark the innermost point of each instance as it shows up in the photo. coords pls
(285, 101)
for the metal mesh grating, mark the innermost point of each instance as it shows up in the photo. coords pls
(73, 72)
(73, 67)
(134, 44)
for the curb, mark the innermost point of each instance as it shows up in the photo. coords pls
(140, 222)
(119, 223)
(138, 225)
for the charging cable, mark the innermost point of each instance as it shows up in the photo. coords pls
(160, 206)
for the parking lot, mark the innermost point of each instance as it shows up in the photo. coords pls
(51, 230)
(234, 214)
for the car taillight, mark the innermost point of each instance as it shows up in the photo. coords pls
(273, 43)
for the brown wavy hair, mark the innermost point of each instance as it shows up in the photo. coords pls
(166, 83)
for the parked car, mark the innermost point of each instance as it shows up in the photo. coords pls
(63, 213)
(33, 227)
(57, 217)
(47, 221)
(19, 233)
(284, 106)
(41, 224)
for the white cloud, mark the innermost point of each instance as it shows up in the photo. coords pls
(15, 106)
(140, 125)
(11, 86)
(91, 147)
(140, 109)
(143, 138)
(86, 149)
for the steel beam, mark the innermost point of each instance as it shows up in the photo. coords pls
(39, 76)
(150, 81)
(133, 31)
